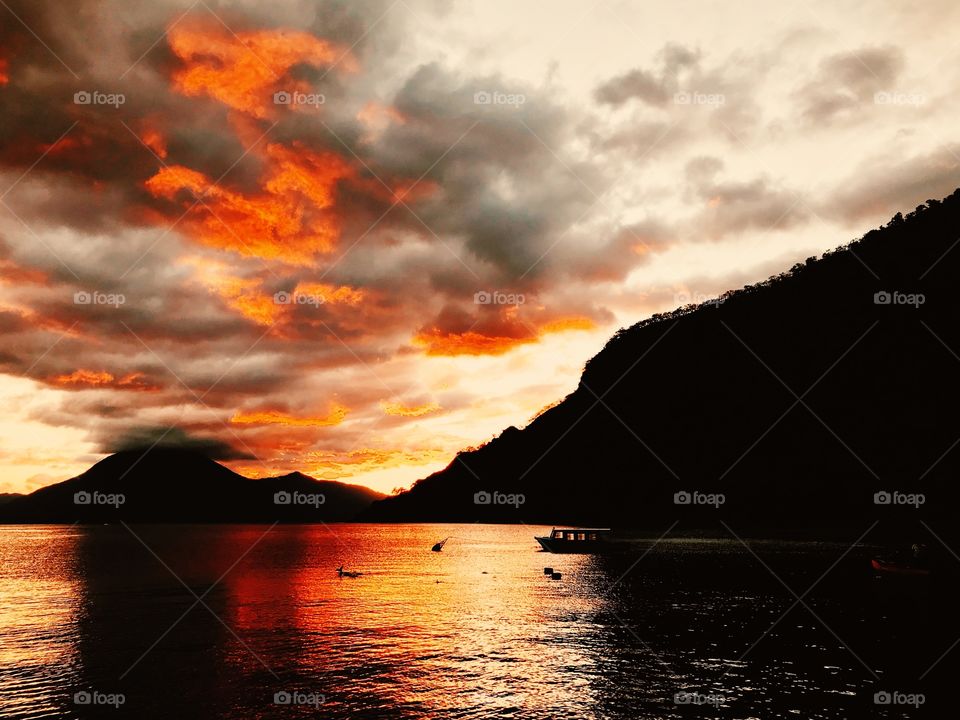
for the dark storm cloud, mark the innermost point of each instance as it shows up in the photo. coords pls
(82, 49)
(143, 438)
(501, 165)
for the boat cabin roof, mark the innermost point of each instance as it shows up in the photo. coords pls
(563, 529)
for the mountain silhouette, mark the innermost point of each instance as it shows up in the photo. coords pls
(164, 484)
(796, 399)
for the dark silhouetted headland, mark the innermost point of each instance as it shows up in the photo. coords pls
(797, 400)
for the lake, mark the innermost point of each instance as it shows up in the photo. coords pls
(105, 621)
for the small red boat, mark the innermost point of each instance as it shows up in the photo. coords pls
(892, 568)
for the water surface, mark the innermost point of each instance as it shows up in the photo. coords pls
(476, 631)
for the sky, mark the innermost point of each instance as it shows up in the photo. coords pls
(354, 238)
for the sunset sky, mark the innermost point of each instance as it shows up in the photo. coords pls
(265, 225)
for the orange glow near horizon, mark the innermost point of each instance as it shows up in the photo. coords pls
(372, 467)
(275, 417)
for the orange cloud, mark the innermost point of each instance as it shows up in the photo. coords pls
(248, 297)
(65, 144)
(40, 321)
(4, 71)
(242, 71)
(13, 274)
(84, 377)
(292, 219)
(101, 379)
(436, 342)
(245, 295)
(331, 294)
(275, 417)
(152, 138)
(395, 408)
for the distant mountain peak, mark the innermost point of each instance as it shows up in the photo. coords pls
(170, 484)
(295, 475)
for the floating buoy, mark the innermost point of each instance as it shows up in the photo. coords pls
(555, 576)
(548, 571)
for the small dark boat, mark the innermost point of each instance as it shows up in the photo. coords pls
(893, 568)
(347, 573)
(578, 540)
(439, 546)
